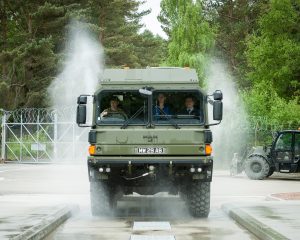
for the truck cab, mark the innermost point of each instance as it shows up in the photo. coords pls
(150, 133)
(285, 151)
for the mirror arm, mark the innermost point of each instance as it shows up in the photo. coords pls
(84, 125)
(86, 95)
(213, 124)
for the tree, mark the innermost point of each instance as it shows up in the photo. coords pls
(263, 101)
(119, 23)
(31, 51)
(273, 54)
(32, 37)
(151, 50)
(236, 21)
(190, 35)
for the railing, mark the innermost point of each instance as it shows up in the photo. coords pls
(42, 135)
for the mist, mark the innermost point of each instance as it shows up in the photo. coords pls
(231, 136)
(82, 68)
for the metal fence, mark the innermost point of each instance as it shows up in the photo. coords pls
(34, 135)
(42, 135)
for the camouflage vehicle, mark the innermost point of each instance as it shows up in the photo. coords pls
(261, 162)
(143, 139)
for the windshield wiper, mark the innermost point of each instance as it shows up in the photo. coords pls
(169, 118)
(125, 125)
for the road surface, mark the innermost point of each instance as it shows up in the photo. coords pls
(137, 217)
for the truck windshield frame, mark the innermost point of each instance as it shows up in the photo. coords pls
(175, 116)
(105, 97)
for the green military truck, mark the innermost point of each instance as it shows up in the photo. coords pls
(150, 133)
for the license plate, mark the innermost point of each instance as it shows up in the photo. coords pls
(150, 150)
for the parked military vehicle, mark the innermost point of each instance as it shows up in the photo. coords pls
(262, 161)
(143, 138)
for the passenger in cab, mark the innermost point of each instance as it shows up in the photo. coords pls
(114, 110)
(190, 107)
(160, 108)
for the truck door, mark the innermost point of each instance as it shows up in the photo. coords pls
(283, 151)
(297, 148)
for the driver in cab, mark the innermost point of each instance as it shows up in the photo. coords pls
(114, 110)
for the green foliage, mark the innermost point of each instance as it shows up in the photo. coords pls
(260, 40)
(273, 53)
(151, 50)
(32, 39)
(263, 100)
(236, 20)
(191, 36)
(119, 23)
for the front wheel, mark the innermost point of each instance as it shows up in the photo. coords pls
(198, 199)
(257, 168)
(271, 171)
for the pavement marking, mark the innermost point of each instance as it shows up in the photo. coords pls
(13, 169)
(151, 237)
(242, 196)
(10, 168)
(142, 226)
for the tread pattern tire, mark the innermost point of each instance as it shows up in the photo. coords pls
(257, 168)
(198, 199)
(100, 200)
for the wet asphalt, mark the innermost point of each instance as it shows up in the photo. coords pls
(69, 184)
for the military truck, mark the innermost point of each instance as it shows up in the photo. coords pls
(143, 140)
(262, 161)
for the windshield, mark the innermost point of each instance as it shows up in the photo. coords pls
(178, 107)
(169, 107)
(118, 107)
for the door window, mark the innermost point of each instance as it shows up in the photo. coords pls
(284, 142)
(297, 144)
(283, 148)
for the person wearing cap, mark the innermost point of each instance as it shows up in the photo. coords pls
(113, 109)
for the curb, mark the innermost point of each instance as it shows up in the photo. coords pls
(47, 224)
(259, 229)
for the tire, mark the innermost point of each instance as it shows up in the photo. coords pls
(257, 168)
(100, 197)
(198, 199)
(271, 171)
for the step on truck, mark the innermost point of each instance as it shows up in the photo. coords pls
(150, 133)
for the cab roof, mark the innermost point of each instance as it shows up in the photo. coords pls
(149, 75)
(296, 130)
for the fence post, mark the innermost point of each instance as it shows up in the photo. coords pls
(255, 134)
(73, 142)
(38, 135)
(21, 139)
(3, 147)
(55, 136)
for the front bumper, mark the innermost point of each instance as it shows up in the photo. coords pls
(170, 167)
(121, 160)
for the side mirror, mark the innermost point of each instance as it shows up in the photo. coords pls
(217, 110)
(81, 114)
(218, 95)
(82, 100)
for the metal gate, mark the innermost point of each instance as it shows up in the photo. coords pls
(32, 135)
